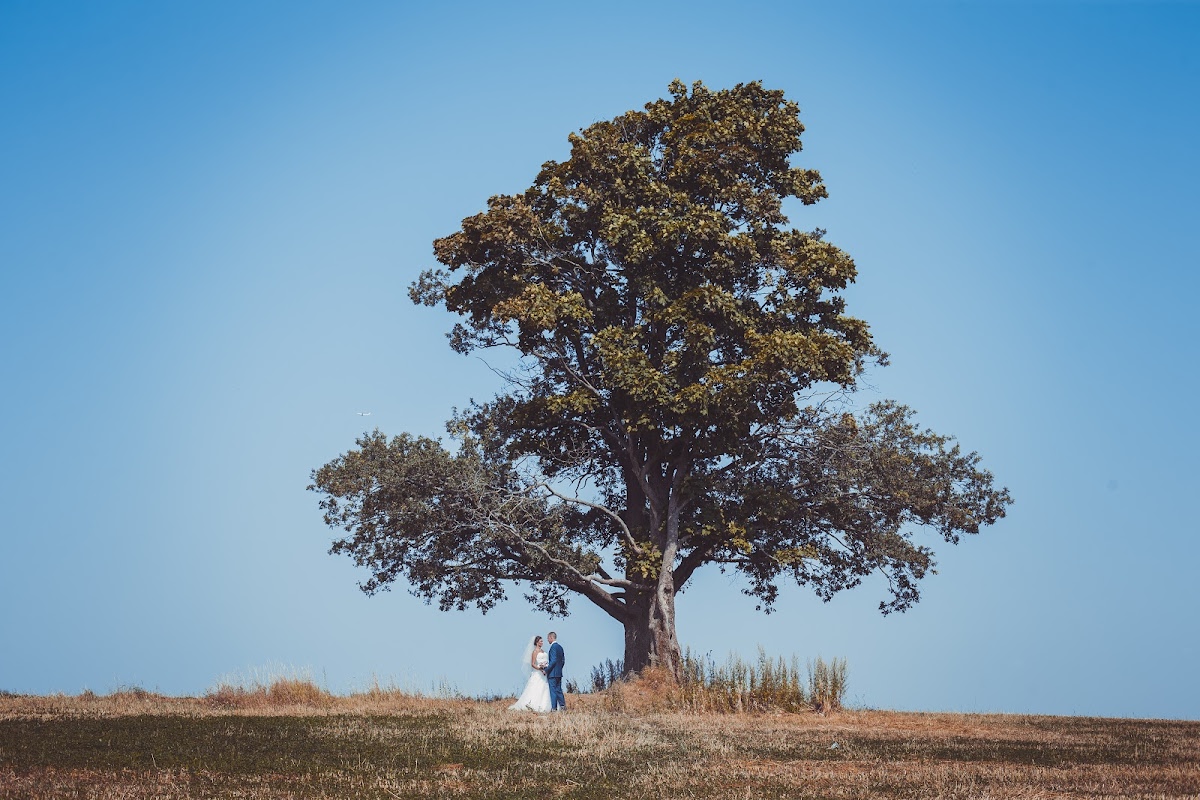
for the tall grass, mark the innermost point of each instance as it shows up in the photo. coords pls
(732, 686)
(606, 674)
(739, 685)
(826, 684)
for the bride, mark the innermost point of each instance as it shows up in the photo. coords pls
(536, 695)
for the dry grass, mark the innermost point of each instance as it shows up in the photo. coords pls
(303, 742)
(734, 686)
(282, 692)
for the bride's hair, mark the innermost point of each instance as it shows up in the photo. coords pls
(537, 640)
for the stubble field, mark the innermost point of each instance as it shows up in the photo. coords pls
(308, 744)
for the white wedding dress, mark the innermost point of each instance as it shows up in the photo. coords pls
(536, 694)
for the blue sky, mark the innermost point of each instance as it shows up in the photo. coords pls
(210, 213)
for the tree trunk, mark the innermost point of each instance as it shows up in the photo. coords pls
(650, 639)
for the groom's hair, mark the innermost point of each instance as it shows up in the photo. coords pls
(552, 636)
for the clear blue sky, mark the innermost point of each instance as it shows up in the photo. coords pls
(210, 213)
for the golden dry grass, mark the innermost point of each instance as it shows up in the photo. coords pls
(628, 743)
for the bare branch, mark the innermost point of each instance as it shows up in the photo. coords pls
(628, 536)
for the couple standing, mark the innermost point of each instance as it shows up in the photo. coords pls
(543, 689)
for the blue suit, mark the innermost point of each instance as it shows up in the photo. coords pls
(554, 675)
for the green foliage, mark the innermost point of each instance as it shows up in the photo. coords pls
(651, 279)
(456, 526)
(687, 365)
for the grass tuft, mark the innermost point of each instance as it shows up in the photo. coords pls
(826, 684)
(730, 687)
(269, 688)
(280, 692)
(737, 685)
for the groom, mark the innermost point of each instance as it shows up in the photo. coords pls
(553, 670)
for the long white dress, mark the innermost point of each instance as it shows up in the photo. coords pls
(536, 694)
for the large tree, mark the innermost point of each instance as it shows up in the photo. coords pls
(683, 395)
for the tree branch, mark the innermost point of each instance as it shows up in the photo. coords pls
(691, 562)
(586, 585)
(628, 536)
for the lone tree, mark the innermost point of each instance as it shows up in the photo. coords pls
(683, 396)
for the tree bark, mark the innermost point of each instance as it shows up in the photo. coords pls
(650, 639)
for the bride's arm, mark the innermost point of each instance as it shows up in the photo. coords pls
(533, 659)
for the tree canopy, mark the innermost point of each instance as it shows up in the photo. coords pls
(684, 396)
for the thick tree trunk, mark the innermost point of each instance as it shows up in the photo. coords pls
(650, 639)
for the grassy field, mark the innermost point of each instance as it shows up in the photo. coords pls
(296, 741)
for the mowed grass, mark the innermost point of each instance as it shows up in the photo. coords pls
(309, 744)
